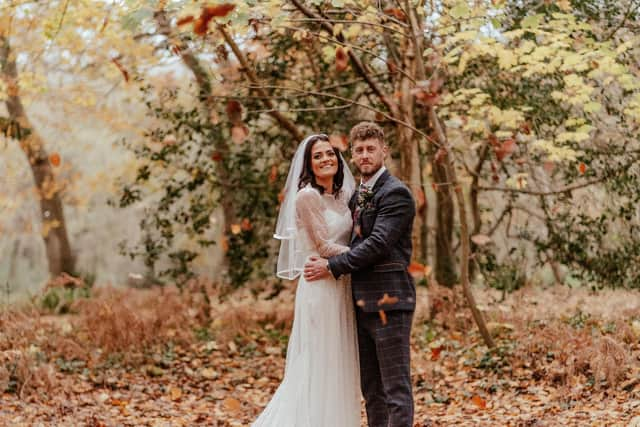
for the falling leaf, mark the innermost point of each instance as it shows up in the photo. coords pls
(281, 196)
(185, 20)
(582, 168)
(246, 225)
(231, 404)
(201, 25)
(216, 156)
(421, 200)
(234, 111)
(342, 59)
(435, 353)
(239, 133)
(418, 270)
(360, 303)
(273, 175)
(479, 402)
(386, 299)
(505, 149)
(54, 159)
(392, 67)
(236, 228)
(396, 13)
(481, 239)
(434, 186)
(383, 317)
(124, 72)
(175, 393)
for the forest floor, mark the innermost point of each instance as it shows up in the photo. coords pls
(137, 358)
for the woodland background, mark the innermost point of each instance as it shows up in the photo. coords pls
(145, 144)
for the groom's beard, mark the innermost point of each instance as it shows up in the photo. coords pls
(367, 171)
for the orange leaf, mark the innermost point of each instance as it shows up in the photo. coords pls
(234, 111)
(224, 243)
(273, 175)
(421, 200)
(383, 317)
(360, 303)
(216, 156)
(175, 393)
(218, 11)
(582, 168)
(236, 228)
(54, 159)
(393, 68)
(201, 25)
(417, 269)
(281, 196)
(396, 13)
(185, 20)
(435, 353)
(386, 299)
(505, 149)
(246, 224)
(479, 402)
(342, 59)
(239, 133)
(231, 404)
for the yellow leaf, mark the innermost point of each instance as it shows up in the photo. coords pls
(236, 228)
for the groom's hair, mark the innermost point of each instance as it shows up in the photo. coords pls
(366, 130)
(308, 177)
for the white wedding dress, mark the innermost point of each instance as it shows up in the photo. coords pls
(321, 385)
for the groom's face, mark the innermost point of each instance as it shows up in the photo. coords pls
(368, 155)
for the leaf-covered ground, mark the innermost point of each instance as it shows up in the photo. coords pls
(556, 364)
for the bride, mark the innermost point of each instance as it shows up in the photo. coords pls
(321, 379)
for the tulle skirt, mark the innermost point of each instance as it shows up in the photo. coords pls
(321, 385)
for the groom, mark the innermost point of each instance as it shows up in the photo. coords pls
(383, 290)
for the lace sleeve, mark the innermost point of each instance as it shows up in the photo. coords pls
(309, 216)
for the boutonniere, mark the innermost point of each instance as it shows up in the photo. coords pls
(365, 197)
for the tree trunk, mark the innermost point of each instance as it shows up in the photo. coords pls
(451, 178)
(445, 273)
(58, 249)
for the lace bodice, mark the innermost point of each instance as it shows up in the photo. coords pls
(323, 222)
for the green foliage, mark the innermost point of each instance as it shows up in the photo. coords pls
(59, 300)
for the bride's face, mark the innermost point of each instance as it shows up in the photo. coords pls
(324, 162)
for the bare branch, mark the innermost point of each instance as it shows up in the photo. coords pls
(543, 193)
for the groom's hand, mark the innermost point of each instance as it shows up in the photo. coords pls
(316, 268)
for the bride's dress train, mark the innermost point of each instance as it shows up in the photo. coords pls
(321, 385)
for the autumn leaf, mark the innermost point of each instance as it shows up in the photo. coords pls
(582, 168)
(224, 244)
(185, 20)
(201, 25)
(392, 67)
(216, 156)
(54, 159)
(505, 149)
(383, 317)
(418, 270)
(234, 111)
(273, 175)
(421, 200)
(387, 300)
(236, 228)
(175, 393)
(360, 303)
(479, 402)
(396, 13)
(342, 59)
(435, 353)
(231, 404)
(246, 224)
(239, 133)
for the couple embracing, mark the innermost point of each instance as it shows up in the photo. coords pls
(355, 300)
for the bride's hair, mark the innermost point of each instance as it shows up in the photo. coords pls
(307, 176)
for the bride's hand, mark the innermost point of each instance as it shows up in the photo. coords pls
(316, 268)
